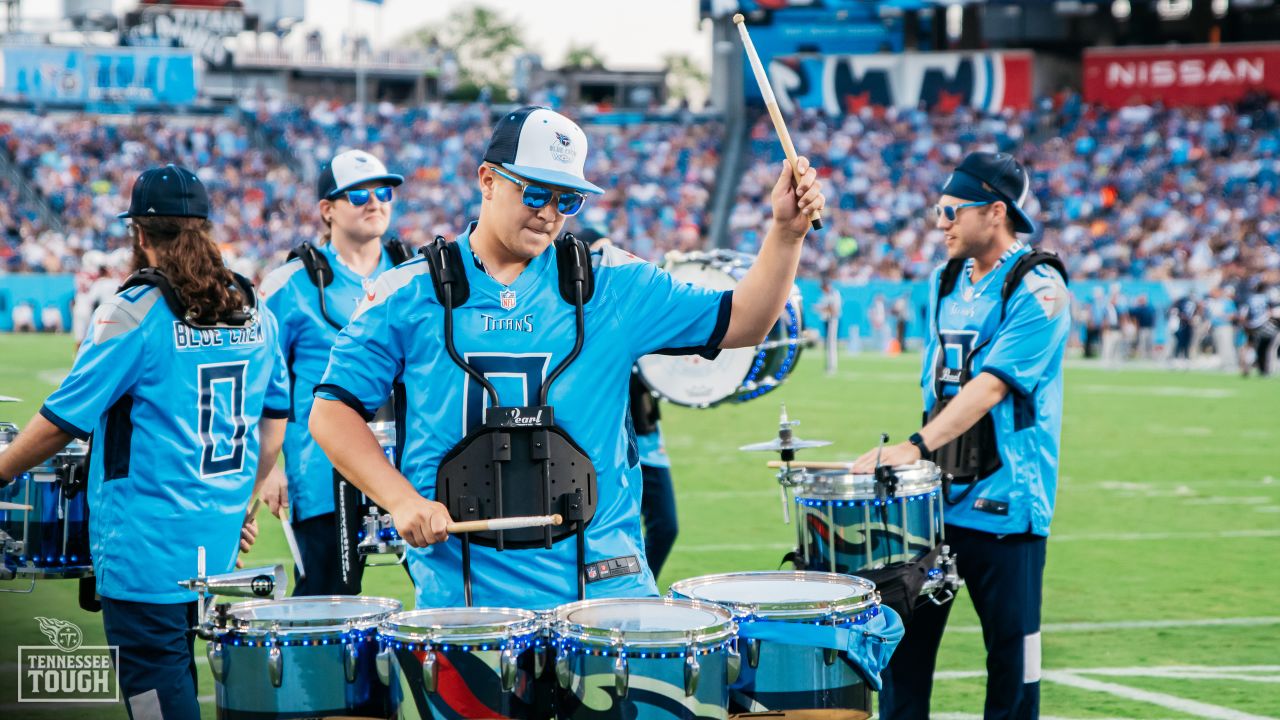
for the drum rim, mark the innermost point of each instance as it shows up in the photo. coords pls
(564, 628)
(524, 622)
(919, 478)
(264, 626)
(799, 610)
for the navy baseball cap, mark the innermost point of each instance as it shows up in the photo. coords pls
(543, 146)
(348, 170)
(169, 191)
(991, 177)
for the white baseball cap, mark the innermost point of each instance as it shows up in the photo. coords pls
(541, 145)
(349, 169)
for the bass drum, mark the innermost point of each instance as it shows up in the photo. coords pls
(738, 374)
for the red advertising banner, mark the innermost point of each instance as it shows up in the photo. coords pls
(1193, 75)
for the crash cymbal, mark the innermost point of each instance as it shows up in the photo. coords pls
(779, 445)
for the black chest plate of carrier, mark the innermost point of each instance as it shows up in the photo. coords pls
(519, 463)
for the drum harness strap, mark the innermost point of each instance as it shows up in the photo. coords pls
(865, 643)
(974, 455)
(519, 462)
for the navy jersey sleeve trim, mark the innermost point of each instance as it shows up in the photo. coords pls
(346, 398)
(275, 414)
(63, 425)
(1007, 379)
(711, 350)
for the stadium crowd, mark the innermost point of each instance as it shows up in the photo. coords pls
(1142, 193)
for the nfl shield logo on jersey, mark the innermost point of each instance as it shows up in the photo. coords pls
(508, 299)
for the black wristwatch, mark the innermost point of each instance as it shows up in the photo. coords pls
(918, 441)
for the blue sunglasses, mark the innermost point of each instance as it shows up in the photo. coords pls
(536, 196)
(949, 211)
(361, 197)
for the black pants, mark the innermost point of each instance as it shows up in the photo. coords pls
(658, 508)
(1004, 577)
(157, 667)
(318, 546)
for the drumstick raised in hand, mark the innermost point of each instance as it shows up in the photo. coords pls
(771, 103)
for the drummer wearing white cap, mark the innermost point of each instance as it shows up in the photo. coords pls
(313, 295)
(512, 308)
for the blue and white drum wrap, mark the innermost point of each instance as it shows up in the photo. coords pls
(737, 374)
(644, 659)
(848, 526)
(779, 677)
(468, 662)
(303, 657)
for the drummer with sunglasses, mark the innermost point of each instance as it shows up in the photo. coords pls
(356, 195)
(516, 328)
(992, 381)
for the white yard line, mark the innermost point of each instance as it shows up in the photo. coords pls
(1156, 390)
(1067, 537)
(1171, 702)
(1139, 625)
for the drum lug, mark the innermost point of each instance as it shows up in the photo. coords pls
(214, 651)
(563, 672)
(829, 656)
(275, 665)
(429, 677)
(621, 675)
(733, 667)
(507, 669)
(350, 654)
(692, 671)
(540, 655)
(382, 661)
(753, 652)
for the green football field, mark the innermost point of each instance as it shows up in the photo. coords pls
(1162, 593)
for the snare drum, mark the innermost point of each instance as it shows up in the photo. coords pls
(643, 659)
(783, 680)
(737, 374)
(847, 525)
(467, 662)
(51, 540)
(303, 657)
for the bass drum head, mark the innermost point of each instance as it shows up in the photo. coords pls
(736, 374)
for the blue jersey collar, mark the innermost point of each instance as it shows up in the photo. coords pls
(481, 280)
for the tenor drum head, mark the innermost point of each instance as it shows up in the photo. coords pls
(644, 621)
(919, 478)
(460, 624)
(783, 595)
(308, 614)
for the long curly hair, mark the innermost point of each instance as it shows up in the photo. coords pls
(188, 256)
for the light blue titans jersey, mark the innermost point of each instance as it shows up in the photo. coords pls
(174, 415)
(1026, 353)
(306, 339)
(637, 309)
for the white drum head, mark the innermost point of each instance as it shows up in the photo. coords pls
(691, 379)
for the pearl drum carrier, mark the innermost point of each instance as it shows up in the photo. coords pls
(519, 462)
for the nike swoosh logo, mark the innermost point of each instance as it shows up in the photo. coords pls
(108, 322)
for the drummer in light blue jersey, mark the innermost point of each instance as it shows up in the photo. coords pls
(180, 381)
(313, 296)
(514, 328)
(992, 378)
